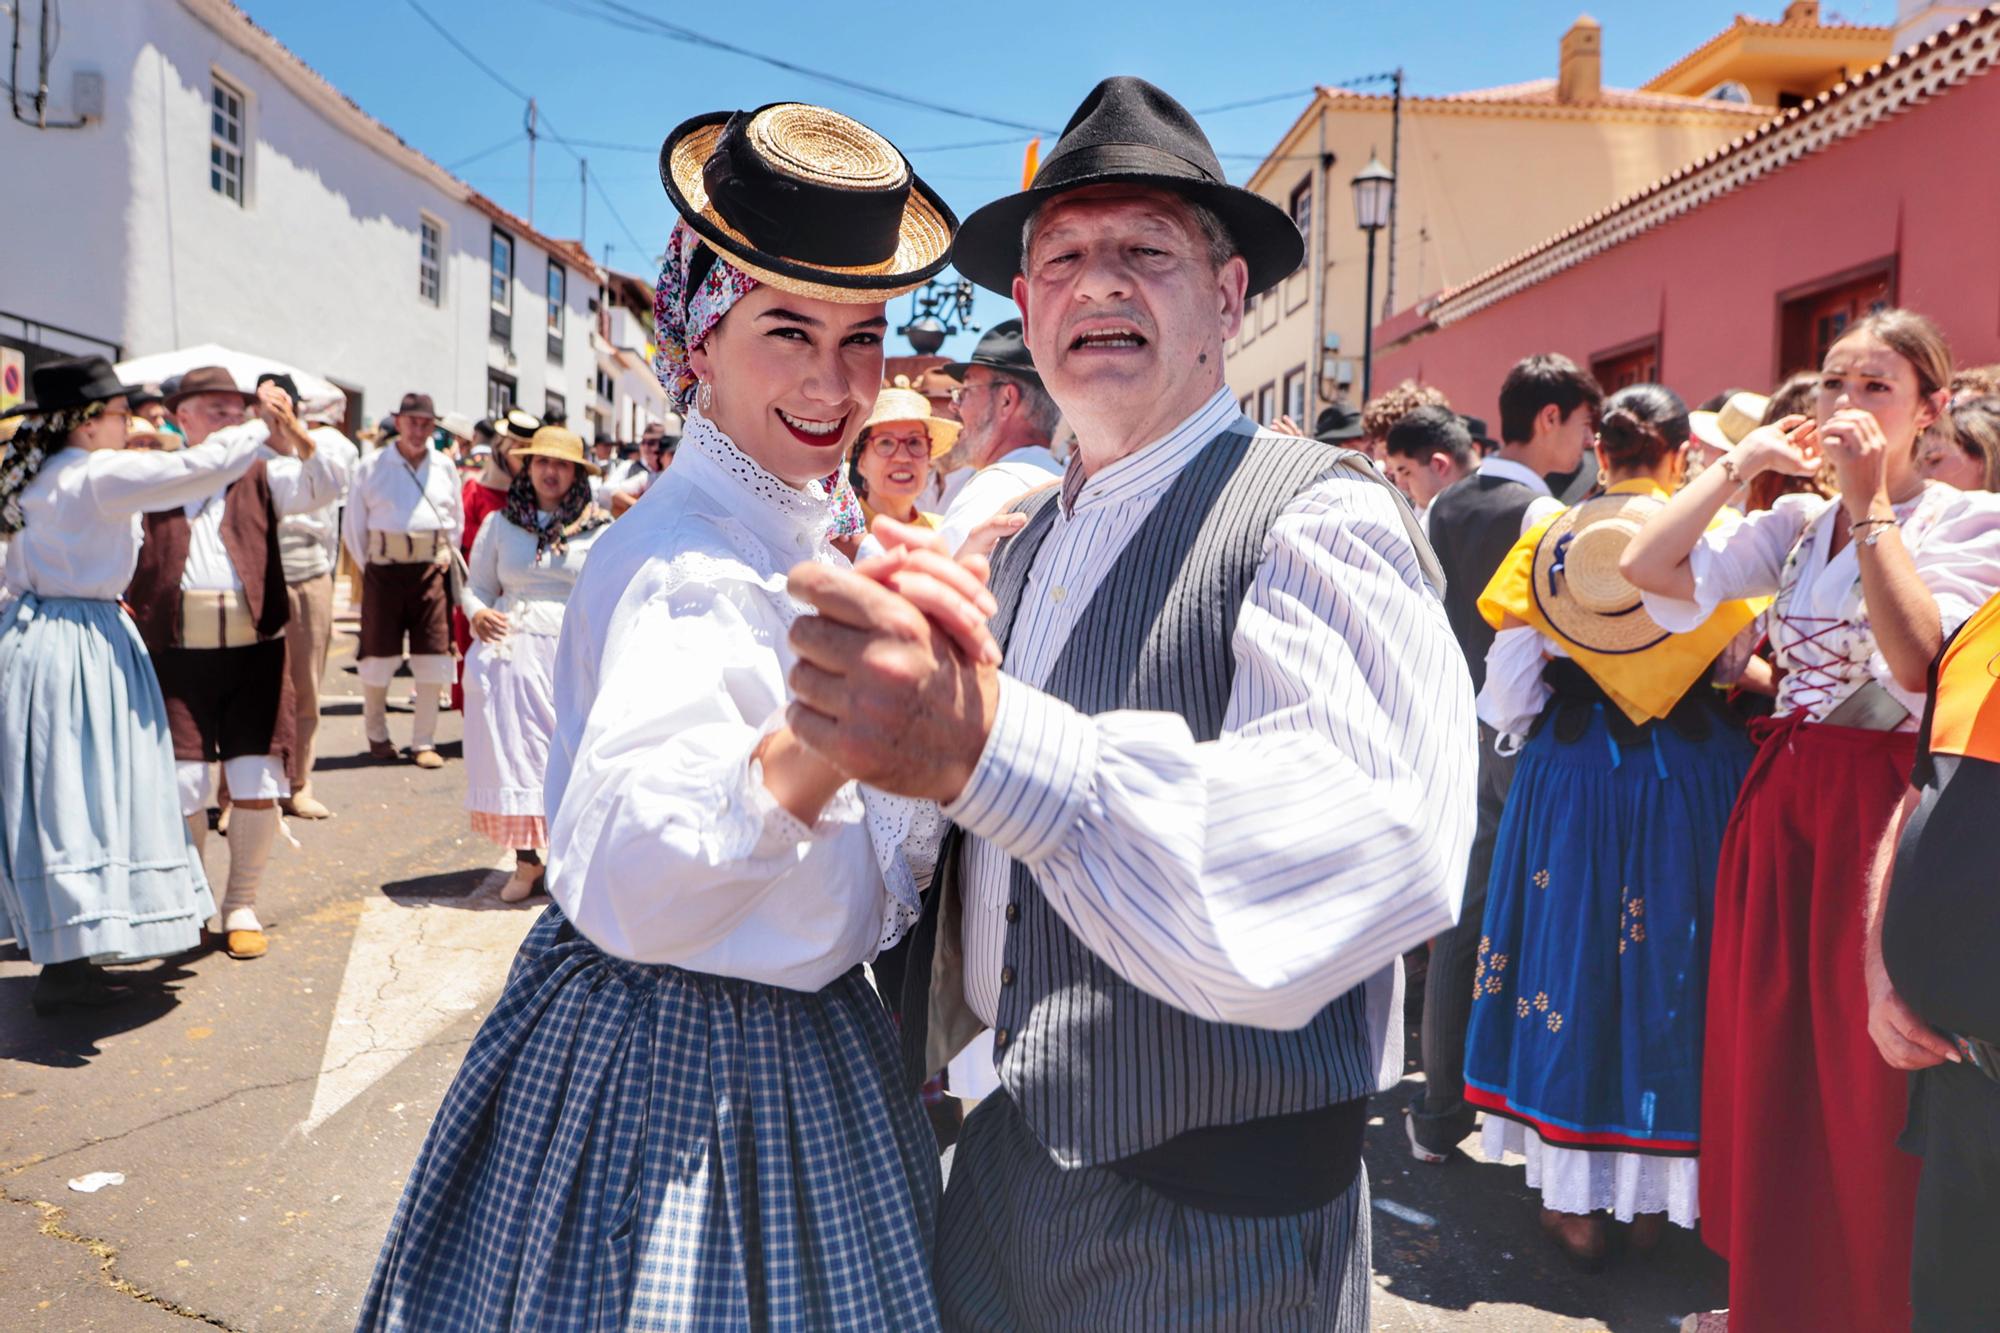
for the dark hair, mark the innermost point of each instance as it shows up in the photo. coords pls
(1640, 425)
(482, 430)
(1542, 381)
(1974, 428)
(1716, 401)
(1793, 398)
(1428, 430)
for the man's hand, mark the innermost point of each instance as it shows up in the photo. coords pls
(274, 408)
(884, 692)
(1905, 1041)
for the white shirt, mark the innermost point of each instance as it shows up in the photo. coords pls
(1819, 626)
(1542, 506)
(994, 487)
(503, 575)
(82, 528)
(297, 487)
(1256, 878)
(390, 494)
(309, 543)
(664, 845)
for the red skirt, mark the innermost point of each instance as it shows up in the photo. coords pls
(1802, 1187)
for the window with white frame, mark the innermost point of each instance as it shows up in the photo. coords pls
(1295, 395)
(430, 260)
(501, 263)
(226, 140)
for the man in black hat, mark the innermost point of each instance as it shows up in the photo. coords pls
(1224, 782)
(1009, 422)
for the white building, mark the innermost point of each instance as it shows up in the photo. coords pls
(189, 180)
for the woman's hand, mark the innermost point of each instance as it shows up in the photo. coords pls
(288, 437)
(951, 592)
(1854, 441)
(489, 626)
(1789, 446)
(982, 539)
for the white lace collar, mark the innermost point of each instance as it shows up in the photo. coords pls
(766, 502)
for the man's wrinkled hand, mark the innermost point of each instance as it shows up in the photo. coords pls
(883, 691)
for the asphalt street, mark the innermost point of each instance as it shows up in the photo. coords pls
(263, 1114)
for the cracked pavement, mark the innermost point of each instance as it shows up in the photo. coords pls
(239, 1211)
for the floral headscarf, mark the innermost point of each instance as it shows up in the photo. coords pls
(696, 289)
(21, 458)
(575, 514)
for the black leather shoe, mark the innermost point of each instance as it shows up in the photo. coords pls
(78, 982)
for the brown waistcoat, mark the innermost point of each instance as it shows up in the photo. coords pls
(249, 534)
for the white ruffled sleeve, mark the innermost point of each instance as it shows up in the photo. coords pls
(665, 846)
(1959, 560)
(1744, 558)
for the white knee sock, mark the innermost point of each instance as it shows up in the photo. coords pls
(423, 731)
(375, 712)
(251, 833)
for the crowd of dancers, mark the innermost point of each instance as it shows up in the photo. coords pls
(1066, 740)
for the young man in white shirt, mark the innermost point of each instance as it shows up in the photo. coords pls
(1009, 421)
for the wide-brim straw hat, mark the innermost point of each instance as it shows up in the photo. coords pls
(1724, 429)
(558, 442)
(1577, 586)
(808, 201)
(899, 402)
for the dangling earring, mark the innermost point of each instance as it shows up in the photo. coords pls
(704, 397)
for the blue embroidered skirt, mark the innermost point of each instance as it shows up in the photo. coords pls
(1593, 956)
(95, 860)
(639, 1147)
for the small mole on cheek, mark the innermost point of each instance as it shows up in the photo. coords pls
(1202, 359)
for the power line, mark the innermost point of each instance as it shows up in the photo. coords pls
(466, 51)
(483, 153)
(611, 12)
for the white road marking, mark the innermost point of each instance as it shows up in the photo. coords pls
(416, 966)
(1405, 1213)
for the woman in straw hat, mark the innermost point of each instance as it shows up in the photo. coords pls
(1802, 1188)
(483, 495)
(684, 1111)
(892, 460)
(521, 573)
(1585, 1040)
(96, 864)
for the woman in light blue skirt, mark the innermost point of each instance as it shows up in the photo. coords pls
(95, 861)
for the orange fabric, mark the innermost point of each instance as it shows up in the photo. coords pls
(1966, 718)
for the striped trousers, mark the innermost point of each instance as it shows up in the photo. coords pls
(1025, 1245)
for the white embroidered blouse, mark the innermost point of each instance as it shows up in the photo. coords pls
(665, 846)
(1819, 627)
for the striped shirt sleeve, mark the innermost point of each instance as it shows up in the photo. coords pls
(1256, 878)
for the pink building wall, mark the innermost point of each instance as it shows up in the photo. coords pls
(1920, 187)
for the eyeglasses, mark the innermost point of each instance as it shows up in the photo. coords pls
(888, 446)
(958, 394)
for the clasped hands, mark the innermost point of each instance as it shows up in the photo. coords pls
(897, 678)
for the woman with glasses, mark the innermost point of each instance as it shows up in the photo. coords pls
(891, 465)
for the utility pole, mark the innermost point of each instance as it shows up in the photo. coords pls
(583, 224)
(1396, 170)
(531, 161)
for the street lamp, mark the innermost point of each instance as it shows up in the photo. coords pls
(1374, 188)
(938, 310)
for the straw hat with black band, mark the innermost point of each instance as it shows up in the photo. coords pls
(1128, 132)
(808, 201)
(1577, 586)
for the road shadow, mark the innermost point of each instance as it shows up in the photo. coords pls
(476, 889)
(336, 763)
(71, 1037)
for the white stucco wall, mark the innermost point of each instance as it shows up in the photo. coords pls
(319, 266)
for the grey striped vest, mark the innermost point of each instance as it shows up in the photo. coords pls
(1100, 1069)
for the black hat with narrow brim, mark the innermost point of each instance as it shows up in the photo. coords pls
(1128, 132)
(1003, 348)
(70, 383)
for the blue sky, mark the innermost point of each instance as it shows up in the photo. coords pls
(1029, 62)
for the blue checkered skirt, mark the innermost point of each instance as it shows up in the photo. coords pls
(640, 1147)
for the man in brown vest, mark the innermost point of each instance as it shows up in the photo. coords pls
(210, 600)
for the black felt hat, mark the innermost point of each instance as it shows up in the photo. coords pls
(1130, 132)
(72, 382)
(1003, 348)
